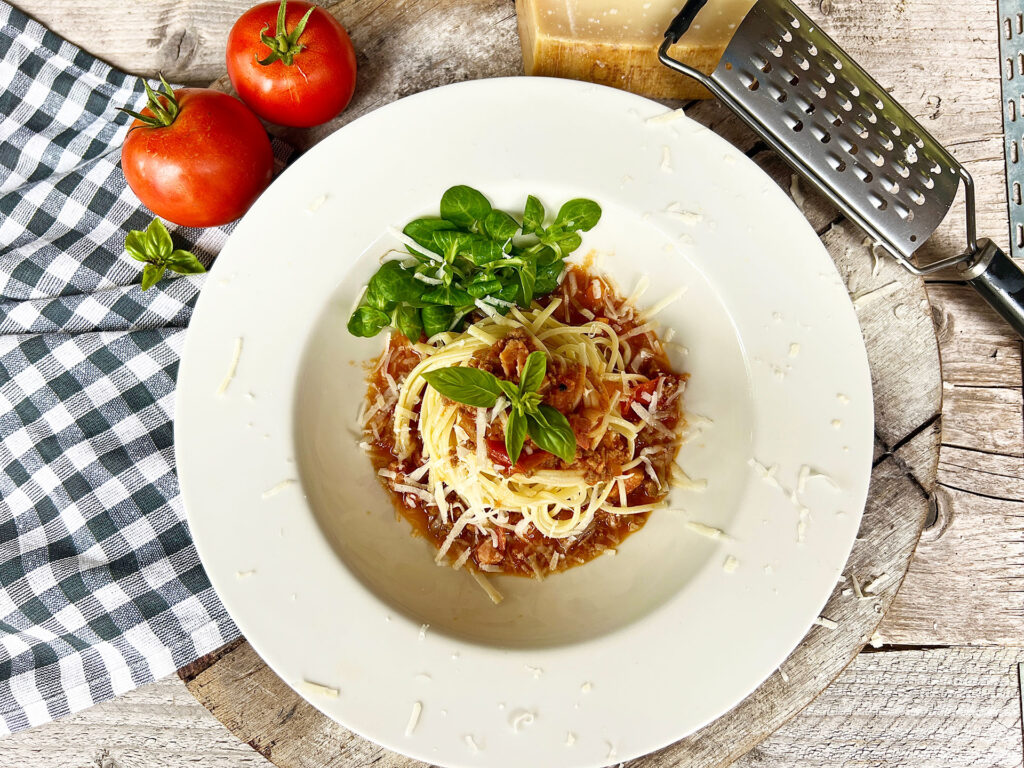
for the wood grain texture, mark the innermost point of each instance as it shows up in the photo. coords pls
(934, 708)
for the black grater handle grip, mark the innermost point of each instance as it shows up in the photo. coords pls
(1000, 280)
(684, 19)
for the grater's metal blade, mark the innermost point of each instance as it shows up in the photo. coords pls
(842, 132)
(1011, 54)
(836, 125)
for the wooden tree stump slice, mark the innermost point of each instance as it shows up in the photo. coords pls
(408, 46)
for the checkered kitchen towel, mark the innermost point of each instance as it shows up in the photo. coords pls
(101, 589)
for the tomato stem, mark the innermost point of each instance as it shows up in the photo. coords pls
(284, 45)
(161, 103)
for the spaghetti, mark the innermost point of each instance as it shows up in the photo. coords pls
(445, 462)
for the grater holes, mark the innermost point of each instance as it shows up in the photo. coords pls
(1020, 235)
(863, 173)
(890, 185)
(1020, 63)
(812, 49)
(787, 36)
(860, 130)
(873, 155)
(1020, 23)
(887, 143)
(754, 84)
(902, 211)
(830, 77)
(916, 196)
(760, 62)
(878, 201)
(1016, 193)
(1007, 28)
(1008, 68)
(837, 163)
(801, 62)
(1014, 152)
(927, 181)
(849, 146)
(1011, 110)
(821, 133)
(901, 169)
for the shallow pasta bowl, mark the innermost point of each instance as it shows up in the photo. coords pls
(603, 662)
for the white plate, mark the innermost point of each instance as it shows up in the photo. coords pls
(628, 653)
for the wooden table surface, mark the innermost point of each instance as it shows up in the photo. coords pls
(945, 688)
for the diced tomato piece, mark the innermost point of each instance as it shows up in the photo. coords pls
(641, 393)
(499, 457)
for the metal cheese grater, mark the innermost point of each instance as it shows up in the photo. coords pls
(844, 134)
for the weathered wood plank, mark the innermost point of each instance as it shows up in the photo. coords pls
(980, 604)
(940, 708)
(157, 725)
(983, 419)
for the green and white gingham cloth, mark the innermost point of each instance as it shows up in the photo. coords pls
(101, 589)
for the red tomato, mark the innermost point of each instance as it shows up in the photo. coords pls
(205, 166)
(498, 455)
(302, 74)
(641, 393)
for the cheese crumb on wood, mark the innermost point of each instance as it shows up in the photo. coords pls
(821, 621)
(616, 43)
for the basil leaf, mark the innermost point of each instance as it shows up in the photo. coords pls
(510, 390)
(527, 282)
(448, 295)
(422, 230)
(394, 283)
(158, 241)
(550, 430)
(367, 321)
(470, 386)
(515, 435)
(185, 263)
(436, 319)
(533, 372)
(500, 226)
(464, 206)
(406, 318)
(533, 216)
(135, 244)
(151, 273)
(578, 214)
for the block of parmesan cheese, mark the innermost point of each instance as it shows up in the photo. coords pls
(615, 42)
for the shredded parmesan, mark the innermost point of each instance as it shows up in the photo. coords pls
(521, 719)
(570, 738)
(705, 530)
(873, 586)
(423, 631)
(666, 159)
(669, 116)
(322, 690)
(277, 488)
(730, 565)
(821, 621)
(236, 355)
(414, 718)
(471, 743)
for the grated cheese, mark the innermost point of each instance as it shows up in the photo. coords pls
(570, 738)
(705, 530)
(690, 218)
(236, 355)
(423, 631)
(471, 743)
(878, 581)
(669, 116)
(821, 621)
(521, 719)
(317, 688)
(414, 718)
(666, 159)
(731, 564)
(278, 488)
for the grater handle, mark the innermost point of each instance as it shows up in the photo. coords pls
(684, 19)
(1000, 280)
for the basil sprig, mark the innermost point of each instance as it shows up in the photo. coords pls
(154, 247)
(472, 251)
(546, 426)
